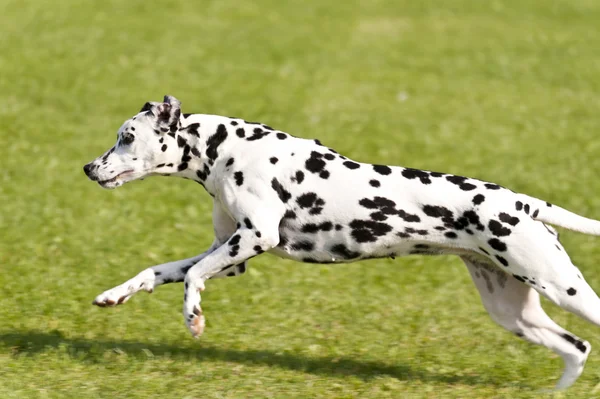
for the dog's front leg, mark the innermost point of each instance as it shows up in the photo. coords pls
(149, 279)
(257, 214)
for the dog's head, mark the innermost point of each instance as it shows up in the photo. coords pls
(144, 142)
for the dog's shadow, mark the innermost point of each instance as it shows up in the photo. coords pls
(87, 350)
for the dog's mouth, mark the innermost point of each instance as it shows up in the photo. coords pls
(113, 182)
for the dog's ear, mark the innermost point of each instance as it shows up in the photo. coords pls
(166, 113)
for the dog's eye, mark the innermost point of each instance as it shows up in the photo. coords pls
(127, 138)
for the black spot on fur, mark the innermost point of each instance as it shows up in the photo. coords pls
(461, 182)
(258, 134)
(274, 160)
(282, 136)
(283, 194)
(519, 205)
(163, 148)
(535, 213)
(578, 344)
(521, 279)
(382, 169)
(181, 141)
(182, 166)
(229, 162)
(258, 234)
(314, 228)
(497, 229)
(506, 218)
(302, 246)
(571, 291)
(368, 230)
(497, 244)
(240, 132)
(492, 186)
(478, 199)
(329, 157)
(192, 129)
(422, 175)
(248, 223)
(195, 152)
(450, 234)
(215, 141)
(548, 204)
(503, 261)
(374, 183)
(234, 123)
(258, 249)
(235, 240)
(526, 208)
(351, 165)
(289, 214)
(239, 178)
(298, 177)
(315, 163)
(343, 251)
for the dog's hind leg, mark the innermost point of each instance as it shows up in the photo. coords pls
(516, 307)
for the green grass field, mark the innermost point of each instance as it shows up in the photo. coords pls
(504, 90)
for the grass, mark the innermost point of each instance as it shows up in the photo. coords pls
(506, 91)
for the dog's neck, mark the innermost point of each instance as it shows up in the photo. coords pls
(203, 142)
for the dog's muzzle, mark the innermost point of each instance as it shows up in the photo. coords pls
(89, 170)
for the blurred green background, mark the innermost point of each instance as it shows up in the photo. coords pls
(502, 90)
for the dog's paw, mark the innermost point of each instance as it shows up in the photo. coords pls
(192, 312)
(121, 294)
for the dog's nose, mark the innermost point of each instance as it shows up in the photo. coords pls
(88, 168)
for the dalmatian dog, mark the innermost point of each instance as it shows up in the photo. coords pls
(301, 200)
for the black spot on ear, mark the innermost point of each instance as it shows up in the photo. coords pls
(382, 169)
(283, 194)
(571, 291)
(239, 178)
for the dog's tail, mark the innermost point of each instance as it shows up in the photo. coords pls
(552, 214)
